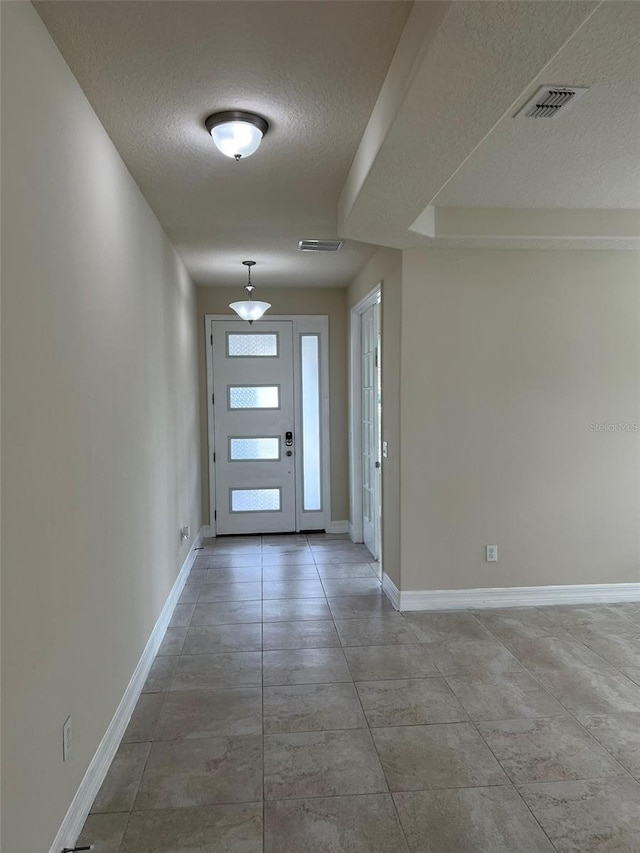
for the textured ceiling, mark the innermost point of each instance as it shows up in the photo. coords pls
(588, 157)
(476, 65)
(391, 124)
(154, 70)
(443, 139)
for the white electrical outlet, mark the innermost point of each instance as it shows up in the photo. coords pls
(492, 554)
(66, 739)
(385, 449)
(185, 533)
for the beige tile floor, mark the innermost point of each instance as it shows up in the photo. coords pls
(292, 710)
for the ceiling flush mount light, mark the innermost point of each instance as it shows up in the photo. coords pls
(250, 309)
(236, 133)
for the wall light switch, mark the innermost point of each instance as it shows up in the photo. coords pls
(385, 449)
(492, 553)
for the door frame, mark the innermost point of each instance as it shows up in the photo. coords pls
(311, 324)
(356, 526)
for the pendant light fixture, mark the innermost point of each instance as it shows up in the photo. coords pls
(250, 309)
(236, 133)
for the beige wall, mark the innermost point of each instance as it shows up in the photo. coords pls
(307, 300)
(386, 267)
(99, 429)
(507, 358)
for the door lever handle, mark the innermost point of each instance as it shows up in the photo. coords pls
(288, 439)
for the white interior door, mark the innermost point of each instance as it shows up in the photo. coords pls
(370, 429)
(253, 410)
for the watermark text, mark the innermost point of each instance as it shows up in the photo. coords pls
(615, 426)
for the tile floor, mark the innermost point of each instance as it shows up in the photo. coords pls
(292, 710)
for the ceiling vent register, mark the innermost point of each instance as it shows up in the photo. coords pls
(320, 245)
(550, 101)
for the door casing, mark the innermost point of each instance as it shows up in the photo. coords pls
(308, 324)
(355, 417)
(370, 426)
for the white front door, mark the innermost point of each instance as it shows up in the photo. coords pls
(370, 429)
(253, 407)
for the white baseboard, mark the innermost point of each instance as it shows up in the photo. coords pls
(391, 590)
(519, 596)
(332, 527)
(97, 770)
(338, 527)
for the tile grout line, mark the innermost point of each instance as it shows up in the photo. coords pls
(384, 773)
(151, 742)
(497, 760)
(508, 780)
(572, 716)
(541, 686)
(373, 741)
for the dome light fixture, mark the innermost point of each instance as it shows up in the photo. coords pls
(237, 134)
(249, 309)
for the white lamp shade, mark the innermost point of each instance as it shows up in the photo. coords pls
(237, 138)
(250, 310)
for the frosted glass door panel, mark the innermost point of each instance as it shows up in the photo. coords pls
(249, 449)
(311, 467)
(252, 344)
(254, 397)
(255, 500)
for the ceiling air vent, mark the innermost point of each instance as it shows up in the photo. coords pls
(550, 101)
(320, 245)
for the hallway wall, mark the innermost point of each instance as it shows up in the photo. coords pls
(100, 429)
(510, 361)
(285, 300)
